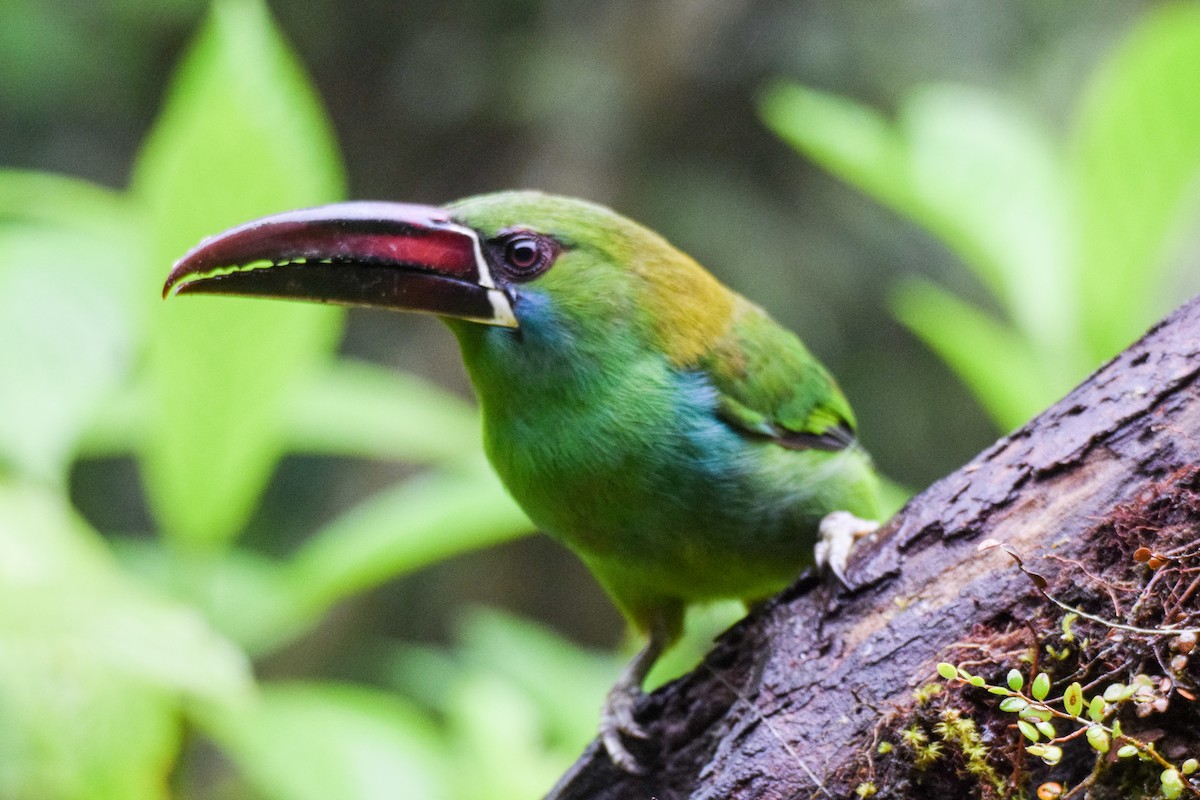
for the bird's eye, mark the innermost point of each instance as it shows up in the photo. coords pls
(523, 255)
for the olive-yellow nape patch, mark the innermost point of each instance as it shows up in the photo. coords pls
(690, 310)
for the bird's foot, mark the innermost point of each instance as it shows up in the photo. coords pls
(837, 534)
(616, 722)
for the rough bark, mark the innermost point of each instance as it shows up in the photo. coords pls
(794, 701)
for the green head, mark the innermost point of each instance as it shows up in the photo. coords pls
(582, 270)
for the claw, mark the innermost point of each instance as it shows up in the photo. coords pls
(616, 716)
(838, 532)
(619, 755)
(617, 722)
(617, 713)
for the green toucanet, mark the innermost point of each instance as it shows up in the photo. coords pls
(666, 429)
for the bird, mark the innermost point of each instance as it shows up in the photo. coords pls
(681, 442)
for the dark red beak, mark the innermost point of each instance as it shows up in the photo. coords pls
(385, 255)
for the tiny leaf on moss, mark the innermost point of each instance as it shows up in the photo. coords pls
(1073, 699)
(1040, 687)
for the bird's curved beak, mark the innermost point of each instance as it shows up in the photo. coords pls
(385, 255)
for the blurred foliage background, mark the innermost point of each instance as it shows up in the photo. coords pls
(250, 550)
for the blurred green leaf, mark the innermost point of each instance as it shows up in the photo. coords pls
(426, 519)
(242, 134)
(975, 171)
(993, 177)
(567, 682)
(66, 202)
(263, 603)
(426, 673)
(357, 409)
(1074, 251)
(92, 667)
(850, 140)
(497, 734)
(349, 409)
(68, 297)
(520, 701)
(1136, 154)
(245, 596)
(316, 742)
(997, 364)
(119, 426)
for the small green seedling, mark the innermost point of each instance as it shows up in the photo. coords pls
(1036, 715)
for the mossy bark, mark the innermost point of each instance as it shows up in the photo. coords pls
(1100, 498)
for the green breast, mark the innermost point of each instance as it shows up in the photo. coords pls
(622, 456)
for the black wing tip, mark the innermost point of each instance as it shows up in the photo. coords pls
(839, 437)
